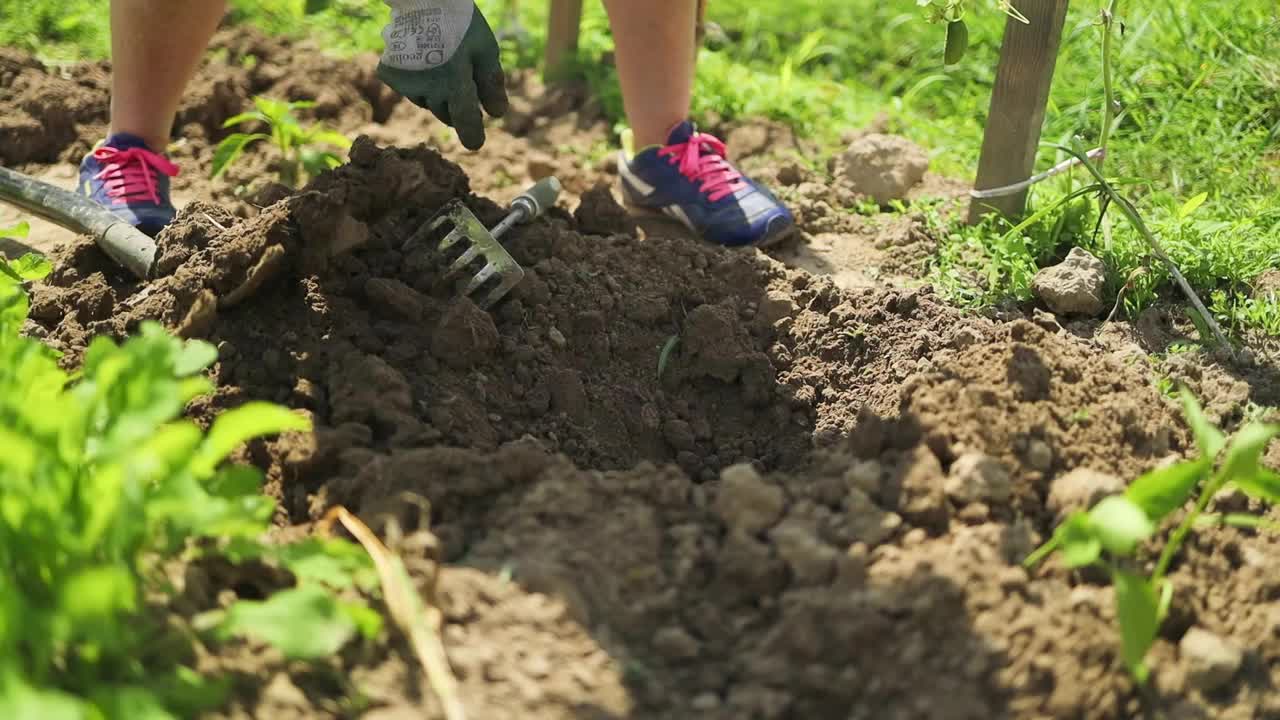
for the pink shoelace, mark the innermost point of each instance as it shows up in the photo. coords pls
(129, 175)
(702, 160)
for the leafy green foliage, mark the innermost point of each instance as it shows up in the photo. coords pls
(1110, 533)
(301, 148)
(17, 232)
(305, 622)
(1166, 489)
(1119, 524)
(1139, 615)
(102, 481)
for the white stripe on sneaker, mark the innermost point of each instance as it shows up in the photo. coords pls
(678, 213)
(624, 168)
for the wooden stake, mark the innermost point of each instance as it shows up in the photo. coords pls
(562, 36)
(1023, 79)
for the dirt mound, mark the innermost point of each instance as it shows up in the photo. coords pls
(817, 509)
(765, 356)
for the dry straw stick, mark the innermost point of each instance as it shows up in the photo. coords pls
(421, 623)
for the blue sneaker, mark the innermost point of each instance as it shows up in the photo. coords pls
(125, 176)
(690, 179)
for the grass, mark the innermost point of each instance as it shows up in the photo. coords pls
(1198, 85)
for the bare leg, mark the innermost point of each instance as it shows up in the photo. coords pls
(155, 48)
(655, 45)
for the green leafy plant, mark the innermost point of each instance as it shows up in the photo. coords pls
(102, 484)
(1109, 534)
(301, 148)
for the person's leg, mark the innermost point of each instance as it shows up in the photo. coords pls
(156, 46)
(677, 170)
(655, 47)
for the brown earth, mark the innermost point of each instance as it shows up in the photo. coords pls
(817, 510)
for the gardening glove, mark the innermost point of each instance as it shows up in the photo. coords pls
(442, 55)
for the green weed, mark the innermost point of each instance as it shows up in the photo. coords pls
(301, 148)
(664, 357)
(102, 485)
(1109, 534)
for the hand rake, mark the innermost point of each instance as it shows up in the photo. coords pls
(484, 243)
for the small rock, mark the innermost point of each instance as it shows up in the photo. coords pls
(775, 306)
(745, 565)
(281, 695)
(746, 502)
(1074, 287)
(568, 394)
(705, 702)
(965, 337)
(396, 297)
(1046, 320)
(976, 477)
(540, 166)
(600, 214)
(465, 335)
(1211, 660)
(884, 167)
(792, 174)
(676, 643)
(1080, 489)
(308, 394)
(556, 337)
(869, 523)
(812, 561)
(864, 475)
(1039, 455)
(923, 499)
(678, 434)
(1267, 285)
(748, 140)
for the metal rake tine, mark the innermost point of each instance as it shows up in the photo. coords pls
(453, 238)
(431, 225)
(481, 277)
(464, 260)
(509, 282)
(417, 237)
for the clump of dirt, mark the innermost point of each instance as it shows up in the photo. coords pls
(1043, 404)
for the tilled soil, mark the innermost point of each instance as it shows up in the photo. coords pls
(817, 507)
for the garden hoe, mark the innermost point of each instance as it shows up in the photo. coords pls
(124, 243)
(483, 243)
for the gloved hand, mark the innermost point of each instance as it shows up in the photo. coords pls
(442, 56)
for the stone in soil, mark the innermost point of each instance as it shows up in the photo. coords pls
(1073, 287)
(1081, 489)
(884, 167)
(1211, 660)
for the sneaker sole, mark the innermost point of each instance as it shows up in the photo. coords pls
(765, 242)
